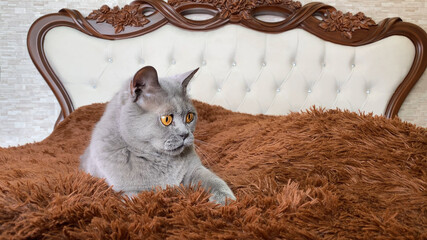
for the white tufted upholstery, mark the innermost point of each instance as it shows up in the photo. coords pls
(240, 69)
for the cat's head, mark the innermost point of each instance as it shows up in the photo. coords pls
(157, 115)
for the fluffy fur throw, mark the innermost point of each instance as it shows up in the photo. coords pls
(314, 175)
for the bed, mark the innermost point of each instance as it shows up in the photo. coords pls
(297, 110)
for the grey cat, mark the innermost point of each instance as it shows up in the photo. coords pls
(145, 139)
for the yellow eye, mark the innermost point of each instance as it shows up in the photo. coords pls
(189, 118)
(166, 120)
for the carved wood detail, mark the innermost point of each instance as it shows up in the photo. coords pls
(346, 23)
(239, 9)
(129, 15)
(235, 11)
(317, 18)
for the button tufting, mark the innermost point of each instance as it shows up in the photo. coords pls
(239, 81)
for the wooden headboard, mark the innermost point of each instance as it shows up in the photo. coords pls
(269, 57)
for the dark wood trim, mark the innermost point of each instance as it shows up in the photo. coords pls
(59, 119)
(35, 46)
(317, 18)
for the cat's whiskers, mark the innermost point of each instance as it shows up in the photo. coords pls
(207, 143)
(205, 156)
(203, 134)
(210, 145)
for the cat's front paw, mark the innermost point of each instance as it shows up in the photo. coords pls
(221, 196)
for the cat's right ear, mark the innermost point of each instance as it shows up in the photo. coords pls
(145, 83)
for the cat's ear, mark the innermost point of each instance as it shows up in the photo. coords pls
(145, 83)
(186, 77)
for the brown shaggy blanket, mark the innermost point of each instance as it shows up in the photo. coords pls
(313, 175)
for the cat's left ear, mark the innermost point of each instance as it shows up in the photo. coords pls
(187, 77)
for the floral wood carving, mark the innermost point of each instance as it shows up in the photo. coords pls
(238, 9)
(346, 23)
(234, 11)
(129, 15)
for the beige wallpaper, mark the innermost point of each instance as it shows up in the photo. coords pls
(28, 109)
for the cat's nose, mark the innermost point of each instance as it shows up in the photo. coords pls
(184, 135)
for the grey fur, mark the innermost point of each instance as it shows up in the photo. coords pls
(135, 152)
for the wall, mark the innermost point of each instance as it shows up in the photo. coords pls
(28, 109)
